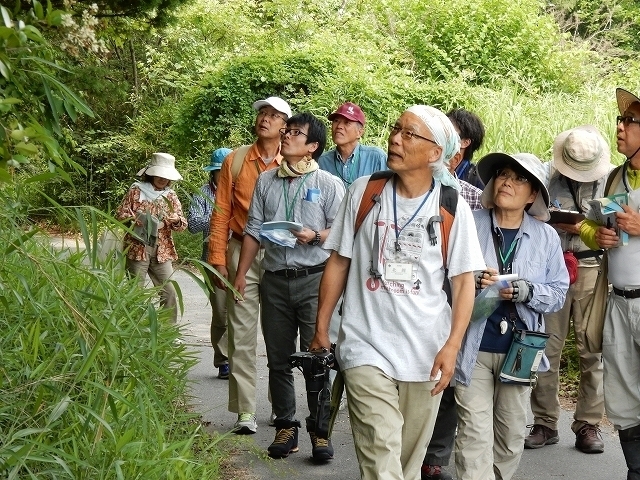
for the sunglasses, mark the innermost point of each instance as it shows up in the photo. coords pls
(627, 120)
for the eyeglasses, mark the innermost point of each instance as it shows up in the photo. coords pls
(294, 132)
(505, 175)
(627, 120)
(272, 116)
(408, 134)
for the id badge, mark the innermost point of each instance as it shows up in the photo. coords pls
(398, 271)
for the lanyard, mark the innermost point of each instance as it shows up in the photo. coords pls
(338, 165)
(505, 264)
(290, 206)
(395, 213)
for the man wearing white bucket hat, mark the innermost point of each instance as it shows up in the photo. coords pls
(155, 212)
(581, 162)
(621, 333)
(238, 177)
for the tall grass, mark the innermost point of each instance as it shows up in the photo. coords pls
(92, 380)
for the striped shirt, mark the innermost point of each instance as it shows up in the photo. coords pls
(269, 203)
(538, 259)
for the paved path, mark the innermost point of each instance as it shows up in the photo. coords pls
(210, 398)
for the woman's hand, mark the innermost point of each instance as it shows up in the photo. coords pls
(486, 277)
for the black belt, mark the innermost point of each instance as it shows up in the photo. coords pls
(588, 254)
(298, 272)
(627, 293)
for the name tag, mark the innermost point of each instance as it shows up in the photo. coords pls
(397, 271)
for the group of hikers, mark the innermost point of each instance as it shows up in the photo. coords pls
(385, 254)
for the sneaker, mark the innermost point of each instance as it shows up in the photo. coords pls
(434, 472)
(589, 439)
(272, 419)
(223, 371)
(286, 440)
(246, 424)
(321, 448)
(539, 436)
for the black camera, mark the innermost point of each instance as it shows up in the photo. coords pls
(315, 366)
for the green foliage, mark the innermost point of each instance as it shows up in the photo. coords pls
(489, 42)
(92, 382)
(32, 98)
(609, 26)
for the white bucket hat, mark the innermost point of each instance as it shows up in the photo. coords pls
(488, 165)
(625, 99)
(582, 154)
(161, 165)
(275, 102)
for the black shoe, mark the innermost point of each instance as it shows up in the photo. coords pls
(321, 448)
(589, 440)
(539, 436)
(286, 440)
(434, 472)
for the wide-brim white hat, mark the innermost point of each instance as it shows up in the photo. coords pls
(275, 102)
(582, 154)
(161, 165)
(625, 99)
(488, 165)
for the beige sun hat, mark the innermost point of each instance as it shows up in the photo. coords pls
(161, 165)
(582, 154)
(625, 99)
(488, 165)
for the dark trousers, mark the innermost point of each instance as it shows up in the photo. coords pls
(289, 307)
(444, 431)
(630, 442)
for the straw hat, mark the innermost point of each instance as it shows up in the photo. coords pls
(625, 99)
(161, 165)
(582, 154)
(488, 165)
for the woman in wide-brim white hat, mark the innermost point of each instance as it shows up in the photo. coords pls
(514, 240)
(154, 211)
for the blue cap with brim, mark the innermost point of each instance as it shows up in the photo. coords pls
(217, 157)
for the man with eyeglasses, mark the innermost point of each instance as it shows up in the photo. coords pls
(581, 163)
(350, 159)
(238, 176)
(621, 335)
(399, 338)
(301, 193)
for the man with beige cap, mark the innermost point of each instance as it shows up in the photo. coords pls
(581, 162)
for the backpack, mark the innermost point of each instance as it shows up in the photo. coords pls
(448, 205)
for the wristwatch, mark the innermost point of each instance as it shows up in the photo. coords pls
(316, 240)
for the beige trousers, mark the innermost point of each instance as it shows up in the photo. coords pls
(491, 423)
(242, 330)
(159, 273)
(392, 423)
(544, 398)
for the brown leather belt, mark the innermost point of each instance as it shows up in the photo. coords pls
(298, 272)
(627, 293)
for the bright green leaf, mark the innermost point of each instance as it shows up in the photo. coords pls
(26, 148)
(6, 16)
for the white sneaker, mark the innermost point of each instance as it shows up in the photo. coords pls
(246, 424)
